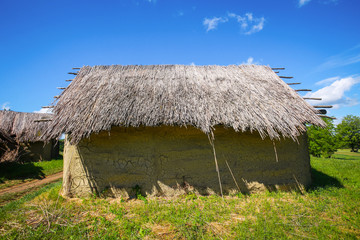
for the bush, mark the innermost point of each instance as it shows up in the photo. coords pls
(322, 141)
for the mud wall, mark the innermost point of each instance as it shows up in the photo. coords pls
(172, 160)
(40, 151)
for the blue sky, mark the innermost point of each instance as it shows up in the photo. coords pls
(317, 41)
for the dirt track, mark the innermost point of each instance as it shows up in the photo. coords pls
(35, 183)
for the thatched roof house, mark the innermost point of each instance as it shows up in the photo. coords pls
(27, 128)
(113, 115)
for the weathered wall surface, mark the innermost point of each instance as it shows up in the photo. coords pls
(173, 160)
(40, 151)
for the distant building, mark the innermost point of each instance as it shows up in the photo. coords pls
(26, 129)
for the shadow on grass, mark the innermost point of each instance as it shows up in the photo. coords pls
(345, 157)
(322, 180)
(19, 171)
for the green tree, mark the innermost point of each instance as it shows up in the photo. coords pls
(349, 132)
(322, 141)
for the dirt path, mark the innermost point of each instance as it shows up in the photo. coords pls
(35, 183)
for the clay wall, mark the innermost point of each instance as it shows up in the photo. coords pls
(168, 161)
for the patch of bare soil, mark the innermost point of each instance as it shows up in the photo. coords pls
(35, 183)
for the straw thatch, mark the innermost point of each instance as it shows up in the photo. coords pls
(24, 127)
(5, 137)
(245, 97)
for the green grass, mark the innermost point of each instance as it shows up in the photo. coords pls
(330, 209)
(346, 154)
(15, 173)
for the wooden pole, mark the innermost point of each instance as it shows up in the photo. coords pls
(74, 73)
(324, 116)
(69, 80)
(278, 68)
(42, 120)
(310, 98)
(232, 175)
(303, 90)
(285, 77)
(61, 88)
(276, 155)
(211, 140)
(293, 83)
(47, 107)
(322, 106)
(321, 111)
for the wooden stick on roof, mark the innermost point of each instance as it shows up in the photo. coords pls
(324, 116)
(74, 73)
(294, 83)
(321, 111)
(43, 120)
(303, 90)
(285, 77)
(76, 68)
(278, 68)
(61, 88)
(322, 106)
(47, 107)
(69, 80)
(310, 98)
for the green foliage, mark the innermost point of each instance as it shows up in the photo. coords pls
(190, 196)
(61, 145)
(349, 132)
(138, 193)
(322, 141)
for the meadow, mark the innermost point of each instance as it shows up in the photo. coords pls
(13, 174)
(329, 209)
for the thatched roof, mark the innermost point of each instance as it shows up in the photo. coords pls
(244, 97)
(4, 138)
(24, 127)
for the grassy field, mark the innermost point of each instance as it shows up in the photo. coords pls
(330, 209)
(15, 173)
(12, 174)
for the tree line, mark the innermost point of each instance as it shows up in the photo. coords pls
(325, 141)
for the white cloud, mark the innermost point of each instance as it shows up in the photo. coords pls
(44, 110)
(330, 2)
(350, 56)
(5, 106)
(257, 27)
(303, 2)
(180, 13)
(212, 23)
(250, 61)
(248, 23)
(327, 80)
(334, 94)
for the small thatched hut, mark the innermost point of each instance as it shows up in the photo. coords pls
(156, 129)
(25, 129)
